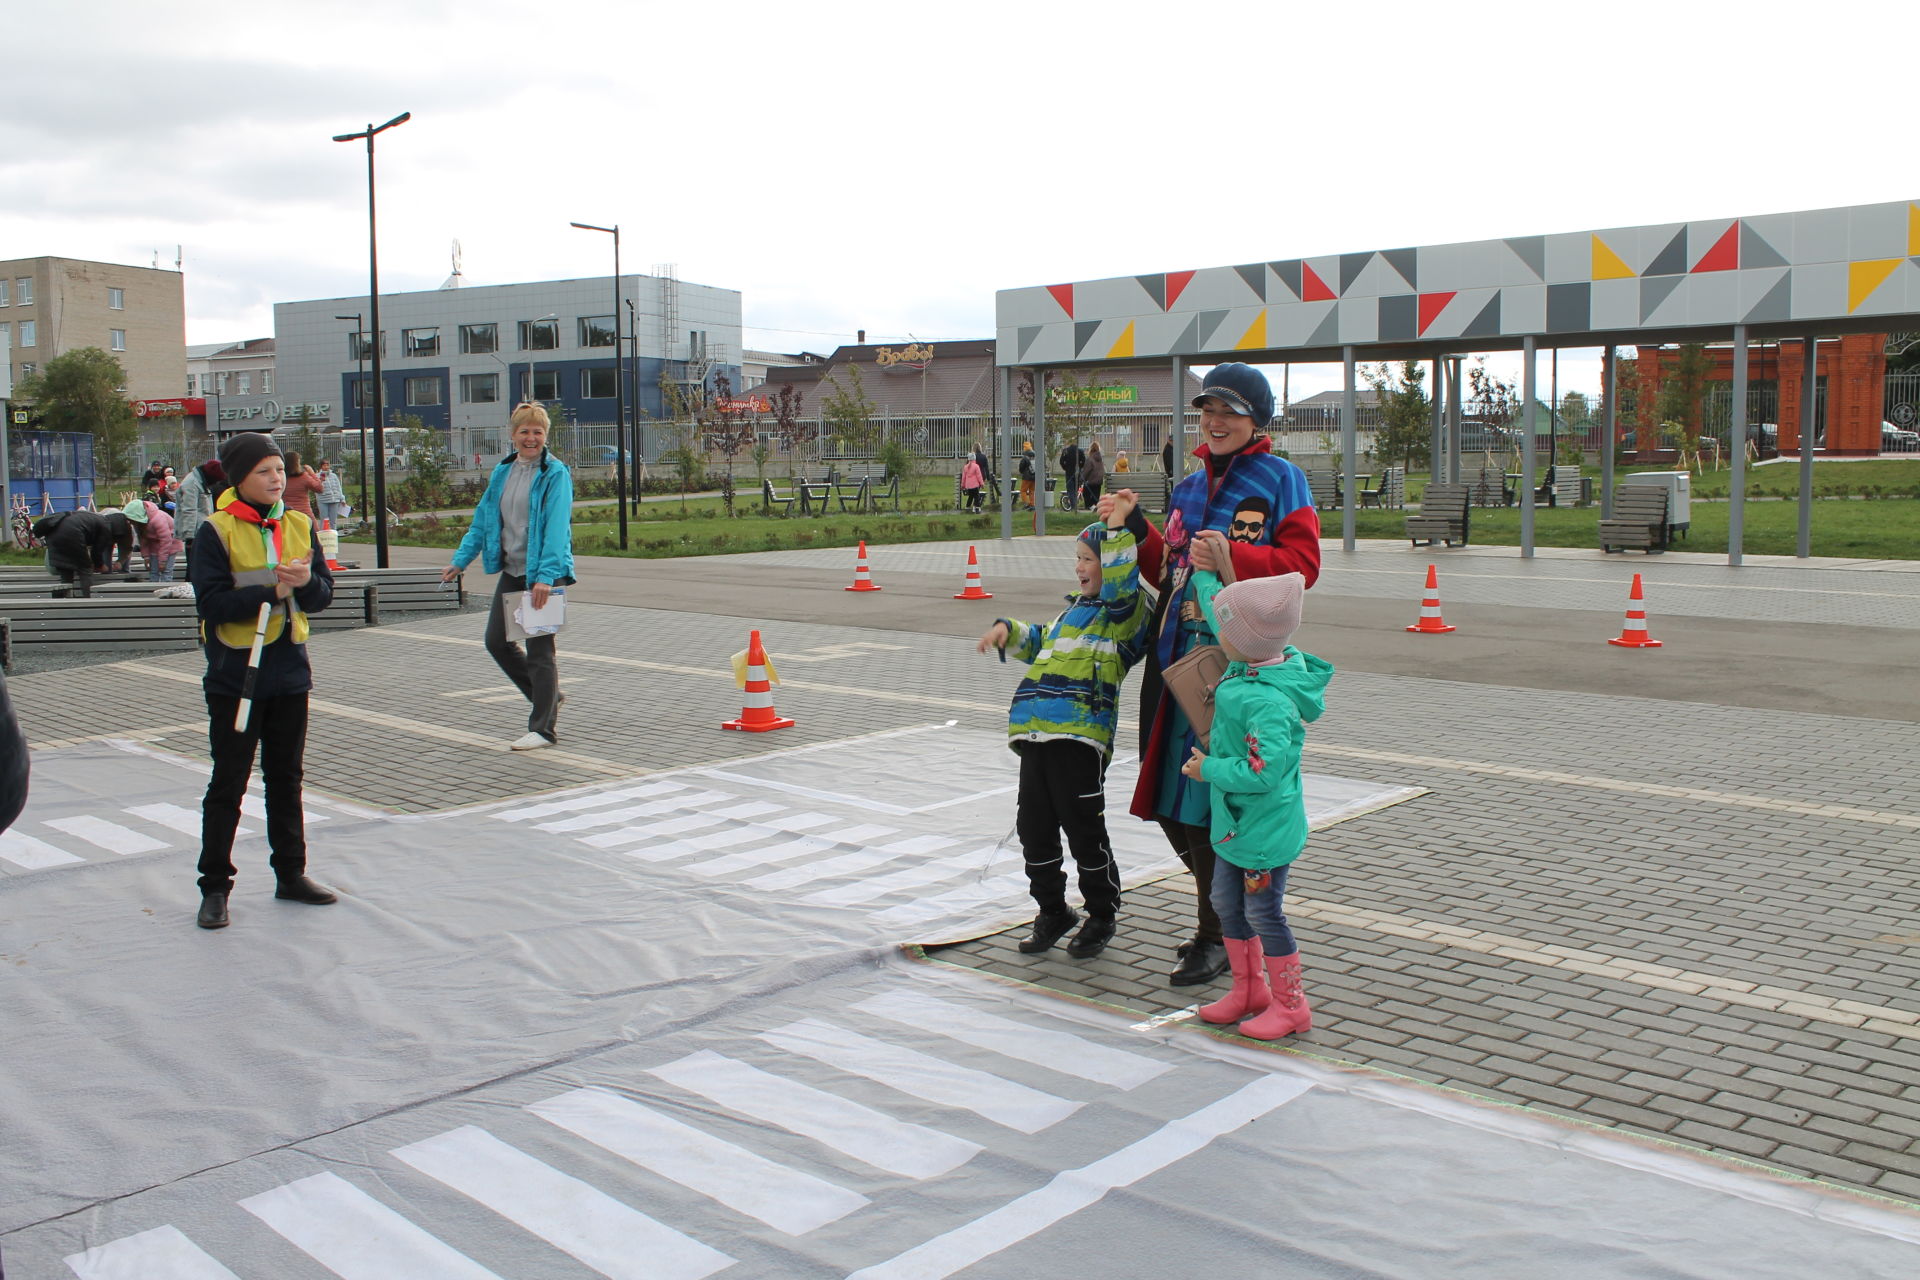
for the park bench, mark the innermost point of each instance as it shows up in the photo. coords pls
(1443, 516)
(1491, 487)
(772, 498)
(406, 590)
(1561, 488)
(1152, 486)
(1392, 491)
(1639, 520)
(131, 617)
(1324, 484)
(814, 492)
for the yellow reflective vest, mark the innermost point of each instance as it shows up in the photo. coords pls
(247, 556)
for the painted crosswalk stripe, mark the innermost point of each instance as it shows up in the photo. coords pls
(180, 818)
(678, 826)
(256, 807)
(575, 1217)
(1006, 886)
(356, 1237)
(31, 853)
(1059, 1051)
(574, 803)
(785, 1199)
(866, 1135)
(614, 817)
(921, 1075)
(1076, 1189)
(786, 850)
(868, 888)
(110, 836)
(792, 823)
(849, 863)
(163, 1253)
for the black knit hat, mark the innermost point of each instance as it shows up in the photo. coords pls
(242, 452)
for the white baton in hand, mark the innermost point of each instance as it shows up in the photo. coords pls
(245, 710)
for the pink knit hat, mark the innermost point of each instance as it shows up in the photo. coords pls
(1257, 616)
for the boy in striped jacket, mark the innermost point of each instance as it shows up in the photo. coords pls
(1062, 725)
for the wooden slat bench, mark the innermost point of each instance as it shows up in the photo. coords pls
(1561, 488)
(1639, 520)
(407, 590)
(1392, 491)
(770, 497)
(1444, 516)
(1491, 488)
(130, 617)
(1324, 484)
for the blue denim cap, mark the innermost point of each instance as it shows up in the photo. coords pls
(1243, 388)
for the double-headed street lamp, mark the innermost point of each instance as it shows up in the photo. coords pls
(360, 395)
(619, 388)
(373, 305)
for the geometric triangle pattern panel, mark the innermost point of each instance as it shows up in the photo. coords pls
(1767, 269)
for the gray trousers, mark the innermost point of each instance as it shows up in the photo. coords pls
(533, 670)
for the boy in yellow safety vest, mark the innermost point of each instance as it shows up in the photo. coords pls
(252, 552)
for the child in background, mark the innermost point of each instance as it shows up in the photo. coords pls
(971, 482)
(157, 542)
(1062, 725)
(1262, 706)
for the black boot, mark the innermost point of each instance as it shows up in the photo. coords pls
(1201, 962)
(302, 889)
(1092, 938)
(213, 911)
(1048, 928)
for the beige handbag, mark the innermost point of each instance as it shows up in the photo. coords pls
(1192, 681)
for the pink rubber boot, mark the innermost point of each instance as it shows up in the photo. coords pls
(1289, 1012)
(1248, 995)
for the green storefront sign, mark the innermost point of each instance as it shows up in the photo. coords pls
(1094, 395)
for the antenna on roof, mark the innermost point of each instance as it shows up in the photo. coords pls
(456, 280)
(179, 256)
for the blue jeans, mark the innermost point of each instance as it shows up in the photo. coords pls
(1244, 914)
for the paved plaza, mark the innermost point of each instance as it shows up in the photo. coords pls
(1668, 893)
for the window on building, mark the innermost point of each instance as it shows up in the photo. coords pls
(423, 391)
(117, 339)
(243, 384)
(539, 335)
(116, 299)
(479, 339)
(266, 382)
(27, 336)
(598, 384)
(6, 336)
(360, 345)
(544, 386)
(479, 388)
(596, 331)
(420, 342)
(6, 293)
(23, 291)
(28, 369)
(221, 383)
(363, 393)
(193, 384)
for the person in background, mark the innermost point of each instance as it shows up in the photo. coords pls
(1026, 475)
(332, 496)
(14, 764)
(158, 545)
(303, 482)
(1166, 456)
(113, 553)
(986, 471)
(1093, 474)
(194, 502)
(74, 541)
(1071, 459)
(971, 482)
(150, 479)
(1121, 465)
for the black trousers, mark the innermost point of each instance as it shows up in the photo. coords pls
(278, 727)
(1195, 847)
(1063, 785)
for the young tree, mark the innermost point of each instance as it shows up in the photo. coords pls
(848, 414)
(795, 435)
(1406, 415)
(729, 428)
(1683, 395)
(85, 390)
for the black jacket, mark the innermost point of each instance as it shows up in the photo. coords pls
(283, 664)
(13, 761)
(116, 539)
(75, 539)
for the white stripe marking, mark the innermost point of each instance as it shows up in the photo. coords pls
(923, 1076)
(613, 817)
(574, 803)
(614, 1239)
(110, 836)
(859, 860)
(256, 807)
(33, 854)
(182, 819)
(786, 850)
(1060, 1051)
(163, 1253)
(785, 1199)
(1076, 1189)
(867, 890)
(675, 826)
(866, 1135)
(994, 889)
(355, 1236)
(719, 840)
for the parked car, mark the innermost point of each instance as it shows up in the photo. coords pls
(604, 455)
(1898, 439)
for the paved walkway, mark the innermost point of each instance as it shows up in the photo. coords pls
(1669, 892)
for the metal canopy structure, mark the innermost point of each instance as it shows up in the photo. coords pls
(1777, 276)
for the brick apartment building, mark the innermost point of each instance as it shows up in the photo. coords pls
(50, 306)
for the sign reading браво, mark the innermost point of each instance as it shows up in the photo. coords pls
(1094, 395)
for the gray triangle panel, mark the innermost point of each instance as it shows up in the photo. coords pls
(1255, 274)
(1407, 263)
(1655, 290)
(1083, 331)
(1777, 305)
(1188, 343)
(1156, 287)
(1327, 333)
(1670, 261)
(1289, 273)
(1487, 323)
(1028, 332)
(1351, 265)
(1210, 322)
(1756, 252)
(1531, 250)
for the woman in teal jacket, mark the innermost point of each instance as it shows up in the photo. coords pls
(523, 531)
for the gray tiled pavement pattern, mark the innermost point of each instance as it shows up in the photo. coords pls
(1735, 925)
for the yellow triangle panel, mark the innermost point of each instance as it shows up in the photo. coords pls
(1608, 265)
(1122, 348)
(1864, 277)
(1256, 335)
(1913, 229)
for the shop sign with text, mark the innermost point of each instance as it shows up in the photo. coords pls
(915, 355)
(1094, 395)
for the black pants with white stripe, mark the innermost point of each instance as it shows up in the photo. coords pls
(1063, 787)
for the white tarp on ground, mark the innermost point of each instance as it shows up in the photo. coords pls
(512, 1052)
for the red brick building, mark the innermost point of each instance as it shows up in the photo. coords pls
(1854, 369)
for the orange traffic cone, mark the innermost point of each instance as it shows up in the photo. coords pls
(974, 590)
(329, 544)
(1633, 634)
(862, 576)
(757, 714)
(1430, 621)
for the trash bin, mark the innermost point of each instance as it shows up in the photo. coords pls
(1586, 491)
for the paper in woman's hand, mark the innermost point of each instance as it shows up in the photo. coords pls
(543, 621)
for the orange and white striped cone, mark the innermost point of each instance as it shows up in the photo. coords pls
(1633, 633)
(974, 590)
(757, 714)
(329, 541)
(862, 576)
(1430, 621)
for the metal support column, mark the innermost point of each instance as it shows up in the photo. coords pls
(1737, 446)
(1177, 426)
(1009, 483)
(1039, 451)
(1349, 449)
(1436, 440)
(1803, 545)
(1610, 395)
(1529, 390)
(1455, 380)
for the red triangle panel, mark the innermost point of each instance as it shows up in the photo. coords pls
(1431, 305)
(1725, 254)
(1312, 287)
(1063, 294)
(1176, 281)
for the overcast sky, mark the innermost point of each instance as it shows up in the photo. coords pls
(888, 166)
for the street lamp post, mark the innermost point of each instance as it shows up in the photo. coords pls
(373, 305)
(633, 366)
(619, 388)
(360, 396)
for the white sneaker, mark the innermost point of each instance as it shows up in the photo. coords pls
(532, 742)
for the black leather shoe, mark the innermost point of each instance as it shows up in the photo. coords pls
(1203, 962)
(213, 911)
(303, 889)
(1092, 939)
(1048, 928)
